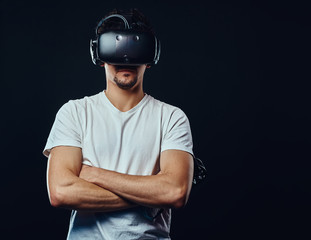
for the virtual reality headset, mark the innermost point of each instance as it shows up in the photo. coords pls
(126, 46)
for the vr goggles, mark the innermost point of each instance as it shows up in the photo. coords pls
(126, 46)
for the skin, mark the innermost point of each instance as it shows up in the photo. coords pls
(75, 186)
(124, 99)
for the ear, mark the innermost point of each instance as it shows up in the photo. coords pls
(102, 65)
(148, 66)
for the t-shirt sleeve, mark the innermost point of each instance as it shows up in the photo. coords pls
(65, 130)
(177, 133)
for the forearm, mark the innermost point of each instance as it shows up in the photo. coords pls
(169, 188)
(79, 194)
(152, 191)
(67, 190)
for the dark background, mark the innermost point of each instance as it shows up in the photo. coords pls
(240, 71)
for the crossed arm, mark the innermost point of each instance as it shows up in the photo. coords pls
(76, 186)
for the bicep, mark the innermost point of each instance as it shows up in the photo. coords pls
(64, 164)
(178, 166)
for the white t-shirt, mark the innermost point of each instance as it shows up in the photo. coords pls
(127, 142)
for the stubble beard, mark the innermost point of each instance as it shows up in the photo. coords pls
(125, 85)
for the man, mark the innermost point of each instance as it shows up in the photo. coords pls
(120, 159)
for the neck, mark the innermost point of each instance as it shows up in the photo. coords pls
(124, 100)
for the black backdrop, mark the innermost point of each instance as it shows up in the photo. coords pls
(240, 71)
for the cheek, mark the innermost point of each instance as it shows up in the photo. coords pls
(141, 70)
(110, 73)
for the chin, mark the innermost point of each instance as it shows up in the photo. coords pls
(125, 83)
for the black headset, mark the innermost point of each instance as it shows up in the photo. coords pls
(126, 46)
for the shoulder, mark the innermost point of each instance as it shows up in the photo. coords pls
(168, 111)
(165, 107)
(78, 105)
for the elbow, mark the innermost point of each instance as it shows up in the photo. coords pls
(179, 198)
(56, 198)
(54, 201)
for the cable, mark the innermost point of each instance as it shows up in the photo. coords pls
(126, 24)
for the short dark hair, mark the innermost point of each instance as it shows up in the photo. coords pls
(136, 19)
